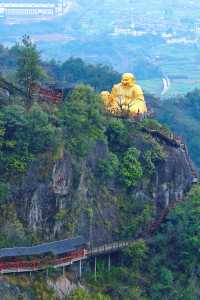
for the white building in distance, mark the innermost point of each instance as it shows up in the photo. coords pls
(33, 8)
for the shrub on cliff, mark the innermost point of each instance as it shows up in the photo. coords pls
(131, 169)
(82, 294)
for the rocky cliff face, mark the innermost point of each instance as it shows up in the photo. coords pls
(70, 199)
(67, 196)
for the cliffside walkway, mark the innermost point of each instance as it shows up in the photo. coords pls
(35, 265)
(29, 266)
(177, 142)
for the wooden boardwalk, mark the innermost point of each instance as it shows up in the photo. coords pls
(109, 248)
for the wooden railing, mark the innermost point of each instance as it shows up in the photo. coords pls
(36, 265)
(110, 247)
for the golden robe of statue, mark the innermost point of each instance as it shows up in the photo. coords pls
(126, 98)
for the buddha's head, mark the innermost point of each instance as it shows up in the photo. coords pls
(128, 79)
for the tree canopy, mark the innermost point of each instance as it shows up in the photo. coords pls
(29, 71)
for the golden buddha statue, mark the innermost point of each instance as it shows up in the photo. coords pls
(126, 98)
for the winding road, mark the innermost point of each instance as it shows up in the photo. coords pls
(166, 85)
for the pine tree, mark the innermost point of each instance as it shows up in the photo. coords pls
(29, 71)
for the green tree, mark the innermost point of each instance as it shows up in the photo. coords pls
(83, 123)
(11, 229)
(137, 252)
(100, 77)
(23, 135)
(29, 71)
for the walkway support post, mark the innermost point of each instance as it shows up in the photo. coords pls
(47, 274)
(80, 268)
(63, 271)
(95, 268)
(109, 263)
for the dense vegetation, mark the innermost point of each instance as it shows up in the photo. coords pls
(165, 267)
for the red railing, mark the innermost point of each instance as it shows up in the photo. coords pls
(52, 95)
(42, 263)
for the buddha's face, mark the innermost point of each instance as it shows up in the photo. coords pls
(127, 80)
